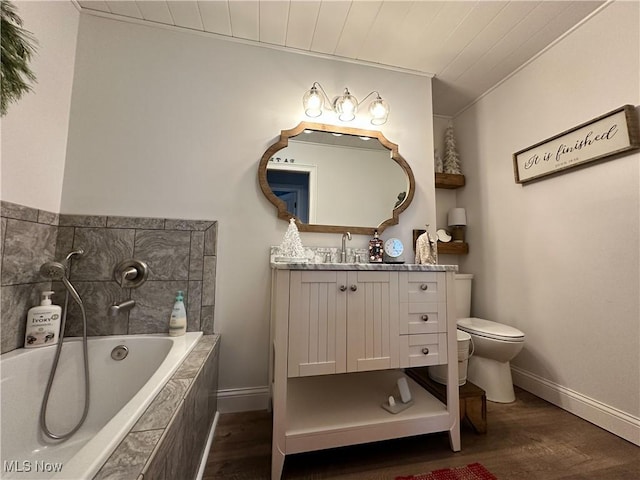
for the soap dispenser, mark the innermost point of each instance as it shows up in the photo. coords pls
(43, 323)
(178, 320)
(375, 249)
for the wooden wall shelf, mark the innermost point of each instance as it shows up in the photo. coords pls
(449, 180)
(453, 248)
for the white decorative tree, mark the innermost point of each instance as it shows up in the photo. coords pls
(451, 157)
(439, 165)
(291, 247)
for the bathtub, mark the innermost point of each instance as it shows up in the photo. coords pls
(121, 390)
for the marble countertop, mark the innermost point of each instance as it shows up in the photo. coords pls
(325, 258)
(395, 267)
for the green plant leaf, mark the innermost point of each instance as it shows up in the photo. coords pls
(17, 49)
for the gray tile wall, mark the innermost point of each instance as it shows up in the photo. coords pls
(28, 240)
(181, 255)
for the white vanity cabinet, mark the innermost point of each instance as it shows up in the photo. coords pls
(340, 339)
(342, 321)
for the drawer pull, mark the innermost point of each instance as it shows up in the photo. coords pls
(425, 350)
(354, 288)
(425, 317)
(343, 288)
(424, 286)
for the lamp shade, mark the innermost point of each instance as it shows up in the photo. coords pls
(379, 111)
(457, 217)
(313, 102)
(346, 106)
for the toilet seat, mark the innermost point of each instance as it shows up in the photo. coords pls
(489, 329)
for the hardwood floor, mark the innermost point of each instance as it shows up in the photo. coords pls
(528, 439)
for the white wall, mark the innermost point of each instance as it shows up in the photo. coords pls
(559, 258)
(173, 124)
(34, 131)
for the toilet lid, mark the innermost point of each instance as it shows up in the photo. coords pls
(487, 328)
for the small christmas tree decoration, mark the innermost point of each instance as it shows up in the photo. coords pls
(438, 164)
(451, 157)
(291, 249)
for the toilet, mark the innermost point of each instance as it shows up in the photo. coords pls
(495, 345)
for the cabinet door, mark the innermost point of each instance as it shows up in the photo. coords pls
(317, 323)
(372, 320)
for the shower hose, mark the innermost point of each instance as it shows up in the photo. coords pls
(54, 368)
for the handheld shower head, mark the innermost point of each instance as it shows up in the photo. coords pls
(53, 270)
(58, 271)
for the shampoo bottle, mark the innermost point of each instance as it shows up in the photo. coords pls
(178, 321)
(43, 323)
(375, 249)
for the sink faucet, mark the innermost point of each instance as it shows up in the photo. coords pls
(343, 252)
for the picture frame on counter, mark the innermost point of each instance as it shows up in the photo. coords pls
(606, 137)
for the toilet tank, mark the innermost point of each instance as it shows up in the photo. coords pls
(463, 295)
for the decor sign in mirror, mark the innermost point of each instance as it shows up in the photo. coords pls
(333, 179)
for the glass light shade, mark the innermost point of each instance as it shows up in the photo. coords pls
(313, 102)
(346, 106)
(379, 111)
(457, 217)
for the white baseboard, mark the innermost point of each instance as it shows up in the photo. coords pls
(609, 418)
(243, 399)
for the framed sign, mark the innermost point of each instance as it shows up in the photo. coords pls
(604, 137)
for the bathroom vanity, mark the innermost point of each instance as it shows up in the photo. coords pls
(341, 335)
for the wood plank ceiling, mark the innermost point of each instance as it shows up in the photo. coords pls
(468, 46)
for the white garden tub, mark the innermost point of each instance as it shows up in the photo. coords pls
(121, 390)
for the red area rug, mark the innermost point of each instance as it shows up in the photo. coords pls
(474, 471)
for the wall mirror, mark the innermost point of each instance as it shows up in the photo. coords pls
(332, 179)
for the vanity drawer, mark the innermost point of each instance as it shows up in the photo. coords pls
(422, 287)
(423, 318)
(422, 350)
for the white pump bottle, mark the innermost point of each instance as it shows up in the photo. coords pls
(43, 323)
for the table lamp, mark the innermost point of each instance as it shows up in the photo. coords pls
(457, 220)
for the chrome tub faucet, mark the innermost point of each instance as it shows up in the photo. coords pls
(125, 306)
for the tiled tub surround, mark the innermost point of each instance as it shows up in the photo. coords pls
(28, 239)
(121, 391)
(181, 255)
(169, 441)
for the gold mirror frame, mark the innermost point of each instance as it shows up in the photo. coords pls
(281, 207)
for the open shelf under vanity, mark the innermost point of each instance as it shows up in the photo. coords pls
(328, 411)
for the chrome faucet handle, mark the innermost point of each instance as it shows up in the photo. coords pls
(131, 273)
(327, 257)
(128, 274)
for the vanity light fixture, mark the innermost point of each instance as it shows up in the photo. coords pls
(345, 105)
